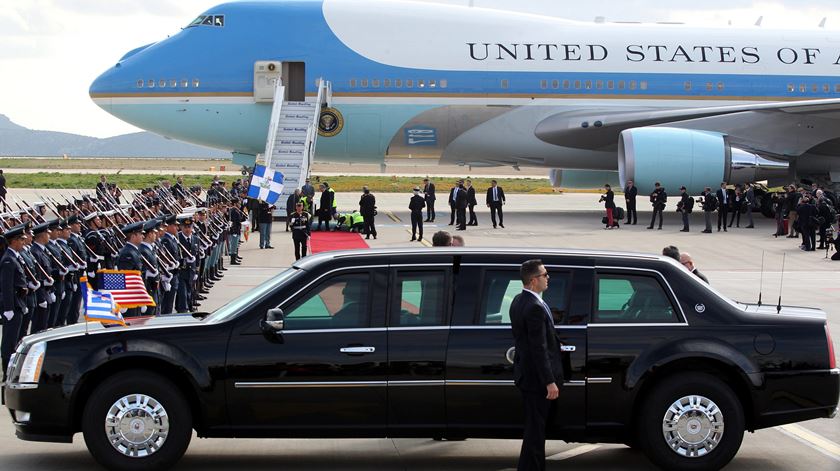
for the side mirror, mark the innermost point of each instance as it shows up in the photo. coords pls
(273, 322)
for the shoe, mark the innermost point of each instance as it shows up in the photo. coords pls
(451, 224)
(461, 229)
(658, 228)
(412, 239)
(494, 226)
(707, 231)
(683, 230)
(650, 227)
(502, 226)
(234, 262)
(749, 227)
(374, 237)
(367, 238)
(791, 237)
(724, 230)
(269, 247)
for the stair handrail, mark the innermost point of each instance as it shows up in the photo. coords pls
(279, 93)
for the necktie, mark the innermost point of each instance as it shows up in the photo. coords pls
(495, 195)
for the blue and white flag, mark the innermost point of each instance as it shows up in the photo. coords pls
(266, 185)
(100, 307)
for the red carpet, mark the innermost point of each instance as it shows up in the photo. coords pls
(326, 241)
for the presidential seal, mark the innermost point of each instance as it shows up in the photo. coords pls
(330, 123)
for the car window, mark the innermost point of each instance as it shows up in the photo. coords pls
(340, 302)
(418, 299)
(501, 286)
(632, 299)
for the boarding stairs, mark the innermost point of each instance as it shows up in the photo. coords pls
(292, 135)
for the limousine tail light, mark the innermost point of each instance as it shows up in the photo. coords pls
(832, 361)
(30, 372)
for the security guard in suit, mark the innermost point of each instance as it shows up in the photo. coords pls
(416, 206)
(13, 291)
(300, 221)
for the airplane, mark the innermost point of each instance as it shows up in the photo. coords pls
(592, 102)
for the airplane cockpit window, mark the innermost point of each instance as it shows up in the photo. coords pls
(208, 20)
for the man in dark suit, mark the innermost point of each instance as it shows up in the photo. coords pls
(537, 366)
(495, 201)
(429, 199)
(630, 193)
(13, 292)
(461, 202)
(471, 203)
(723, 206)
(453, 196)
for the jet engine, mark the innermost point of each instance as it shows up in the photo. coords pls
(696, 159)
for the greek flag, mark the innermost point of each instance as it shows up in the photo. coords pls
(266, 184)
(100, 307)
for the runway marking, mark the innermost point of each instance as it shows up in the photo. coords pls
(393, 216)
(422, 241)
(576, 451)
(812, 439)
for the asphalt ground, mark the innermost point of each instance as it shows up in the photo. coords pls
(732, 261)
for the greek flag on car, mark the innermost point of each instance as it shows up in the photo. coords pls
(99, 307)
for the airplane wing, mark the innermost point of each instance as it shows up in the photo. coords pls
(780, 128)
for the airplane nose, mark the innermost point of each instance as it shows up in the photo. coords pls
(102, 88)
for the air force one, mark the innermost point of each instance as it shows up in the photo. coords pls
(652, 102)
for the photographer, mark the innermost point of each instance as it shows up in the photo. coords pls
(828, 215)
(658, 198)
(808, 221)
(709, 203)
(684, 206)
(609, 204)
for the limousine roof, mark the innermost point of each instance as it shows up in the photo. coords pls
(314, 260)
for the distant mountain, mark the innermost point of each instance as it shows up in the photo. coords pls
(16, 140)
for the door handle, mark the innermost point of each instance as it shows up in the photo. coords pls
(357, 350)
(567, 348)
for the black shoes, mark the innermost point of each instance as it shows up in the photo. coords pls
(650, 227)
(501, 225)
(707, 231)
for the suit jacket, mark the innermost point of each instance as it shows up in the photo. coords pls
(721, 193)
(452, 195)
(471, 196)
(12, 283)
(367, 205)
(416, 204)
(461, 199)
(537, 362)
(630, 194)
(429, 192)
(500, 194)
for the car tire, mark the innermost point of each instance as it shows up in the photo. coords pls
(700, 415)
(137, 420)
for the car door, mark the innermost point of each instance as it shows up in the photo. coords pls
(418, 330)
(325, 373)
(482, 399)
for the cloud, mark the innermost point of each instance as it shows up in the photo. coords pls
(125, 8)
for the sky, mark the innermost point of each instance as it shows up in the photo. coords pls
(51, 50)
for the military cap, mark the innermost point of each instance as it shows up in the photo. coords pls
(185, 219)
(91, 215)
(150, 225)
(61, 207)
(72, 220)
(53, 224)
(15, 232)
(61, 224)
(78, 200)
(416, 188)
(170, 219)
(38, 204)
(133, 227)
(40, 228)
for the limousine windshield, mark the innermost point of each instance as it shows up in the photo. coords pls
(235, 307)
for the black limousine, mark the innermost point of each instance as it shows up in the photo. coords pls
(417, 343)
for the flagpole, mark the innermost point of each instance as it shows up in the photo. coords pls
(83, 282)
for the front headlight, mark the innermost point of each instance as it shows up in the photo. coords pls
(30, 372)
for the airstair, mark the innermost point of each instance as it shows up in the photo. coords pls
(292, 135)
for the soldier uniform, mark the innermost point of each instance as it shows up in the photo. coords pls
(169, 243)
(151, 268)
(129, 258)
(186, 272)
(13, 291)
(39, 253)
(300, 224)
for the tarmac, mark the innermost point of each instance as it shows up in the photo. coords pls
(740, 263)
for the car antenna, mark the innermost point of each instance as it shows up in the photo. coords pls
(761, 279)
(781, 282)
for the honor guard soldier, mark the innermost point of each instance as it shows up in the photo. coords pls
(301, 224)
(129, 257)
(71, 279)
(235, 217)
(416, 206)
(186, 272)
(44, 296)
(77, 244)
(151, 265)
(13, 291)
(33, 281)
(169, 242)
(61, 270)
(95, 243)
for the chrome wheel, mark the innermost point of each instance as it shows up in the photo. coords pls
(137, 425)
(693, 426)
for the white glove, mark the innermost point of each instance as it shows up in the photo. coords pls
(165, 278)
(79, 267)
(152, 274)
(167, 286)
(42, 305)
(195, 277)
(50, 283)
(8, 315)
(91, 274)
(123, 310)
(75, 287)
(33, 286)
(52, 297)
(143, 310)
(63, 295)
(191, 259)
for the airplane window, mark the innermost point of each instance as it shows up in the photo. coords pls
(421, 83)
(432, 83)
(219, 20)
(837, 88)
(196, 21)
(709, 86)
(577, 84)
(208, 20)
(791, 87)
(610, 84)
(621, 84)
(814, 88)
(505, 83)
(720, 86)
(802, 88)
(687, 86)
(543, 84)
(444, 83)
(196, 83)
(565, 84)
(588, 84)
(162, 83)
(140, 83)
(643, 85)
(632, 85)
(352, 83)
(398, 83)
(409, 83)
(386, 83)
(185, 83)
(364, 83)
(555, 84)
(375, 83)
(173, 83)
(826, 88)
(150, 83)
(599, 84)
